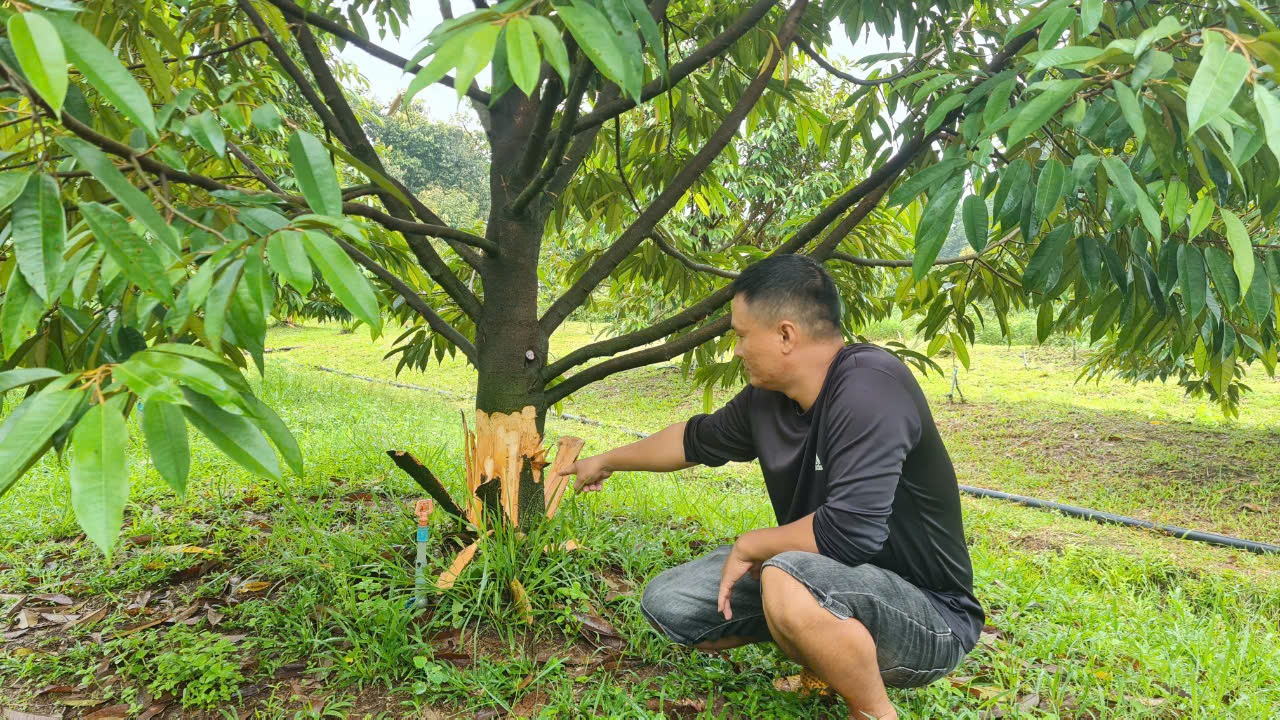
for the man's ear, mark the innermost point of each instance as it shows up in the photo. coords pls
(789, 334)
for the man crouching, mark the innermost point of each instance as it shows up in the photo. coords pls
(866, 581)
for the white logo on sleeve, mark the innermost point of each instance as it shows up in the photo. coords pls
(817, 463)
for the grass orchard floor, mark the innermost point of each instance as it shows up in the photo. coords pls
(254, 599)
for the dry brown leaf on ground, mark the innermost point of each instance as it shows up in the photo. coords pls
(114, 712)
(91, 617)
(19, 715)
(153, 711)
(56, 599)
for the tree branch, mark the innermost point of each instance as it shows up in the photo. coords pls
(202, 56)
(682, 69)
(664, 246)
(878, 262)
(822, 62)
(294, 72)
(573, 102)
(253, 168)
(412, 299)
(333, 28)
(640, 358)
(643, 225)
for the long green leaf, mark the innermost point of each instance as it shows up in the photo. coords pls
(1193, 279)
(1131, 108)
(934, 225)
(100, 472)
(268, 420)
(134, 200)
(207, 132)
(477, 53)
(215, 308)
(522, 54)
(1268, 109)
(552, 46)
(166, 433)
(19, 314)
(649, 28)
(1045, 267)
(11, 379)
(1241, 249)
(234, 435)
(27, 432)
(136, 257)
(104, 72)
(602, 45)
(288, 257)
(187, 371)
(1218, 78)
(316, 177)
(1133, 193)
(1200, 216)
(444, 59)
(1090, 16)
(974, 214)
(1032, 115)
(344, 278)
(1224, 277)
(12, 183)
(40, 235)
(1090, 261)
(41, 56)
(927, 179)
(1049, 189)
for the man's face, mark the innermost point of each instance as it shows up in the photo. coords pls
(759, 346)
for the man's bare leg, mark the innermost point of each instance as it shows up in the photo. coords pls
(840, 652)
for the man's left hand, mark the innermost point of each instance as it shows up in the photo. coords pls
(735, 566)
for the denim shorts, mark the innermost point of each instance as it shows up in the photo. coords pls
(914, 645)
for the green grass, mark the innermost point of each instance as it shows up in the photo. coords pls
(1093, 621)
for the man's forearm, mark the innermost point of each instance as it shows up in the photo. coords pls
(760, 545)
(662, 451)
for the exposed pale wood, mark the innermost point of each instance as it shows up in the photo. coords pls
(567, 451)
(450, 576)
(521, 599)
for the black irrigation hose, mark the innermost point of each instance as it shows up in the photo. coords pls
(1180, 533)
(1110, 518)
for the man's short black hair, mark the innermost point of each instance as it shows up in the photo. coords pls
(795, 287)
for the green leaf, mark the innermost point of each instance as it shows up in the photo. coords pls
(939, 113)
(344, 278)
(552, 45)
(1177, 200)
(187, 371)
(275, 428)
(998, 102)
(1200, 216)
(234, 435)
(1134, 194)
(1090, 16)
(926, 179)
(601, 43)
(266, 118)
(1193, 279)
(1167, 26)
(1241, 248)
(1049, 189)
(1032, 115)
(147, 382)
(215, 308)
(1258, 299)
(1058, 57)
(12, 183)
(11, 379)
(166, 433)
(100, 472)
(1045, 266)
(41, 56)
(317, 179)
(1224, 278)
(522, 54)
(1268, 109)
(1216, 82)
(288, 257)
(649, 28)
(207, 132)
(104, 72)
(974, 214)
(40, 235)
(475, 55)
(934, 225)
(136, 257)
(444, 59)
(134, 200)
(1131, 109)
(19, 314)
(1090, 261)
(27, 432)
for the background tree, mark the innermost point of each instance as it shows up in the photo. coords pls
(1128, 153)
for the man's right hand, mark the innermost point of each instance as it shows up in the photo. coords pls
(591, 473)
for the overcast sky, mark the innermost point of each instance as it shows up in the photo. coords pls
(385, 81)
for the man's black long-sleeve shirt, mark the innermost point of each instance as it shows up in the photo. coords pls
(867, 460)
